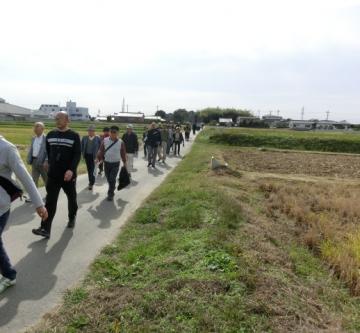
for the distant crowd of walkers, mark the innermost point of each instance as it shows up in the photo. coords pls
(55, 157)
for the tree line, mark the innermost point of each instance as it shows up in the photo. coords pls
(207, 115)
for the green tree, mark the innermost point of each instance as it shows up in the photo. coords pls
(161, 113)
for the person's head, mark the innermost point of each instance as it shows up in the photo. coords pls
(129, 128)
(91, 130)
(177, 129)
(39, 128)
(62, 120)
(114, 132)
(153, 125)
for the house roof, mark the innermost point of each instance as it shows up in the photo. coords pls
(10, 109)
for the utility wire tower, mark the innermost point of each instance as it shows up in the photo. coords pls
(327, 115)
(302, 113)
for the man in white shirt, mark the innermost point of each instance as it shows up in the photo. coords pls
(37, 156)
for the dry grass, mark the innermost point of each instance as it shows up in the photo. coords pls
(327, 219)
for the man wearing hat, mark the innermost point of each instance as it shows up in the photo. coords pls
(90, 145)
(112, 151)
(131, 145)
(106, 133)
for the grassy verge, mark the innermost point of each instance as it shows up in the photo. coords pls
(286, 139)
(203, 255)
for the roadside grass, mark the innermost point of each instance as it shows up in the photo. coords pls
(204, 255)
(345, 142)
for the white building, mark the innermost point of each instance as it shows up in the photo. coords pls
(74, 112)
(225, 121)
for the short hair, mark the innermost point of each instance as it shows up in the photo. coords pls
(39, 123)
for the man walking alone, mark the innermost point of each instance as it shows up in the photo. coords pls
(64, 152)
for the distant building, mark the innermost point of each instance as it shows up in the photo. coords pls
(13, 112)
(156, 119)
(76, 113)
(314, 124)
(128, 117)
(242, 120)
(225, 121)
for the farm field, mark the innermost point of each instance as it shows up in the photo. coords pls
(328, 141)
(20, 134)
(269, 244)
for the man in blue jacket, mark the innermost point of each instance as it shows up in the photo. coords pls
(90, 145)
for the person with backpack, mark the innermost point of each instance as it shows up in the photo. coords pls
(10, 162)
(64, 153)
(90, 145)
(112, 151)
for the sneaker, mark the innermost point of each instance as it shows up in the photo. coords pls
(90, 187)
(149, 164)
(71, 223)
(41, 232)
(6, 283)
(110, 198)
(153, 166)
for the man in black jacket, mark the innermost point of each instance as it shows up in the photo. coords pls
(64, 152)
(153, 141)
(132, 146)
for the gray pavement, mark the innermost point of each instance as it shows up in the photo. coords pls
(46, 268)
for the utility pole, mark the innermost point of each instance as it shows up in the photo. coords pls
(127, 108)
(123, 105)
(327, 115)
(302, 113)
(270, 113)
(157, 108)
(278, 112)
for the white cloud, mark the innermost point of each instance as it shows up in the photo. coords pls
(180, 53)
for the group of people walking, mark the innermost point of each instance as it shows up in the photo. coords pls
(159, 140)
(55, 158)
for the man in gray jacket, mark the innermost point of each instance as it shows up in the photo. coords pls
(90, 145)
(10, 162)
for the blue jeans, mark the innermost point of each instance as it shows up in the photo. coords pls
(5, 266)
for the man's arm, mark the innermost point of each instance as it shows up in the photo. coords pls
(76, 154)
(17, 166)
(123, 153)
(101, 152)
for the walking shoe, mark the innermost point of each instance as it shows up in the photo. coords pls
(90, 187)
(6, 283)
(71, 223)
(41, 232)
(110, 198)
(149, 164)
(153, 166)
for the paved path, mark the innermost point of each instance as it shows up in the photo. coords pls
(47, 268)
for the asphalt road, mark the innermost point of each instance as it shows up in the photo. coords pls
(46, 268)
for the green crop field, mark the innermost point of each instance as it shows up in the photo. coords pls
(344, 142)
(20, 134)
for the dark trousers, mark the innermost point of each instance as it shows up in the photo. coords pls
(111, 172)
(90, 166)
(177, 148)
(152, 151)
(145, 149)
(101, 167)
(53, 187)
(5, 266)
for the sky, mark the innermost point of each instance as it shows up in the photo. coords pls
(257, 55)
